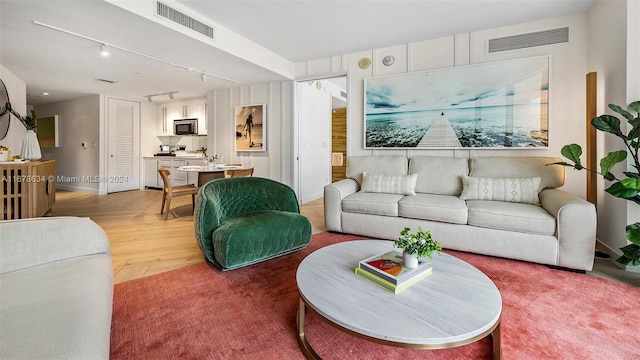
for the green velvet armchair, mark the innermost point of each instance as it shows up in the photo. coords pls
(245, 220)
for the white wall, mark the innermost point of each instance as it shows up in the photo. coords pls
(633, 86)
(607, 55)
(17, 90)
(276, 162)
(614, 51)
(567, 104)
(79, 121)
(568, 68)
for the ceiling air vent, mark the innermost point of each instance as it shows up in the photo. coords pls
(539, 38)
(183, 19)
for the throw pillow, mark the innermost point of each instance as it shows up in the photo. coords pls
(391, 184)
(521, 190)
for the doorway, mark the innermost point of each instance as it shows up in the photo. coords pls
(316, 101)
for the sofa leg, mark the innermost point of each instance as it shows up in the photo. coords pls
(555, 267)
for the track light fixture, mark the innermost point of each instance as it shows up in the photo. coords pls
(103, 47)
(104, 50)
(169, 93)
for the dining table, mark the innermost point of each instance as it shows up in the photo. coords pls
(207, 173)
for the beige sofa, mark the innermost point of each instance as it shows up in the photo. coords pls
(559, 231)
(56, 289)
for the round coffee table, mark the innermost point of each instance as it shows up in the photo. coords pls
(454, 306)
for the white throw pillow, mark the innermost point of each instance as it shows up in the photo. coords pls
(521, 190)
(390, 184)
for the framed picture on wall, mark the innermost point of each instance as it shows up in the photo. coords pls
(250, 129)
(47, 131)
(492, 106)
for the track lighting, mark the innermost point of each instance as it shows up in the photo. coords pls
(104, 50)
(169, 93)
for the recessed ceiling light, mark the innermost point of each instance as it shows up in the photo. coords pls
(45, 93)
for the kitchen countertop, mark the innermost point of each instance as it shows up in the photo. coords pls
(173, 157)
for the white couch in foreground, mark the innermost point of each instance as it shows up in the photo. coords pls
(56, 289)
(559, 230)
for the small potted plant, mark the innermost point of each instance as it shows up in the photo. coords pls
(203, 151)
(213, 160)
(416, 245)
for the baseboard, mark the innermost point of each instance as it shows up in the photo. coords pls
(311, 198)
(614, 254)
(73, 188)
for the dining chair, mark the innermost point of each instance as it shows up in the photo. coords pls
(170, 191)
(240, 172)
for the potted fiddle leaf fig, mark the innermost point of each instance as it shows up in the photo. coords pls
(625, 187)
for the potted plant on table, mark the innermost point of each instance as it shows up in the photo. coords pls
(416, 245)
(628, 187)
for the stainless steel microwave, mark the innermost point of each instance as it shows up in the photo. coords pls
(185, 127)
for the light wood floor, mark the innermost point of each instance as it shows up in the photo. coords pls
(142, 242)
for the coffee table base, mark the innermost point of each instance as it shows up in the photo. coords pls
(310, 353)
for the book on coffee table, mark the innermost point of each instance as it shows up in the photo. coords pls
(386, 271)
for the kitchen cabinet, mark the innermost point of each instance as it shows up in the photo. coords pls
(153, 180)
(195, 108)
(176, 176)
(29, 189)
(151, 176)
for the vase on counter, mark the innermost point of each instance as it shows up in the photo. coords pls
(31, 146)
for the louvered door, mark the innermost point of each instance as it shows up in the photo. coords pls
(124, 146)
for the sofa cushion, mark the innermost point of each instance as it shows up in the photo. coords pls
(439, 175)
(443, 208)
(372, 203)
(388, 164)
(519, 167)
(507, 216)
(521, 190)
(390, 184)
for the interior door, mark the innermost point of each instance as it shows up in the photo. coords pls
(123, 166)
(314, 140)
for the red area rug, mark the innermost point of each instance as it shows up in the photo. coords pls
(199, 312)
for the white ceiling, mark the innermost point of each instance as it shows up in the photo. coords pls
(66, 65)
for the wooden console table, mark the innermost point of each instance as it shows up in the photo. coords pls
(27, 189)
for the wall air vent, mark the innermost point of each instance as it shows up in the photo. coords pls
(539, 38)
(183, 19)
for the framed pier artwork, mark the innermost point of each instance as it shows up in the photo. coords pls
(495, 105)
